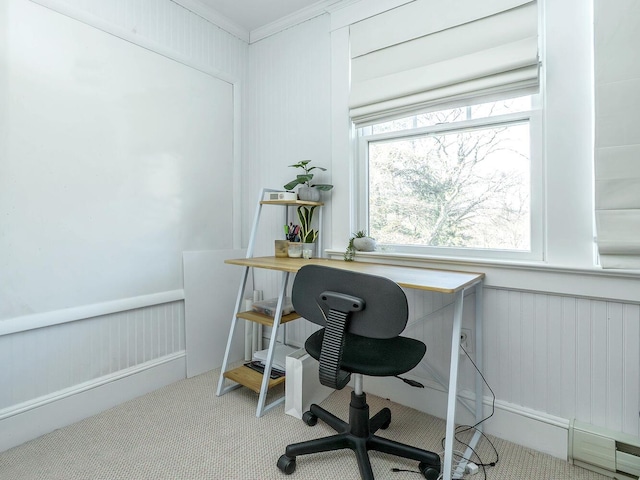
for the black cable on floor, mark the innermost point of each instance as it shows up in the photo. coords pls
(465, 428)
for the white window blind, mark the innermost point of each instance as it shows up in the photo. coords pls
(431, 52)
(617, 148)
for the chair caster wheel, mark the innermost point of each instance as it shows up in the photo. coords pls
(429, 471)
(287, 465)
(309, 418)
(386, 424)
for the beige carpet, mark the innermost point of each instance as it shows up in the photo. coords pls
(184, 431)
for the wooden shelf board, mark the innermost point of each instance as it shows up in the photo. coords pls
(250, 378)
(292, 203)
(265, 319)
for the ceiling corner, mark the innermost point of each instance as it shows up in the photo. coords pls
(295, 18)
(208, 13)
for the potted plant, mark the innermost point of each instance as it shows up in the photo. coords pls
(305, 215)
(360, 241)
(308, 235)
(307, 191)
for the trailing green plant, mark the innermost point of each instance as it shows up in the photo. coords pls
(306, 177)
(305, 215)
(351, 249)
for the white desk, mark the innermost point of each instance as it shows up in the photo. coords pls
(444, 281)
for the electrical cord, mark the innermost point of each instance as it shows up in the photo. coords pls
(411, 382)
(396, 470)
(465, 428)
(458, 458)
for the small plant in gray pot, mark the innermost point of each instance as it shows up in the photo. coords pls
(307, 190)
(359, 242)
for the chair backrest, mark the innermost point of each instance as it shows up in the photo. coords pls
(384, 311)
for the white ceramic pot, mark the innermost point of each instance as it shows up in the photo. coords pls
(308, 250)
(309, 194)
(364, 244)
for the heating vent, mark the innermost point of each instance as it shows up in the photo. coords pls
(614, 454)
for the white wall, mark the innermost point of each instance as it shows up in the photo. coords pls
(286, 120)
(557, 346)
(115, 161)
(286, 114)
(560, 342)
(62, 365)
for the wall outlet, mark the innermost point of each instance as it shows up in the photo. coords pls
(466, 340)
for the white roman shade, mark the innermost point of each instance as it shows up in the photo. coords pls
(431, 52)
(617, 145)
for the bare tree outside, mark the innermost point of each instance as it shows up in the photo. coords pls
(468, 188)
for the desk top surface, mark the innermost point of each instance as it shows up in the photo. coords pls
(445, 281)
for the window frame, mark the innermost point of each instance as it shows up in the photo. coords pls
(533, 117)
(567, 102)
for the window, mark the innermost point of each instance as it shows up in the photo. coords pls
(454, 182)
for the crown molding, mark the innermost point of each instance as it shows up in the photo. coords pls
(345, 11)
(208, 13)
(302, 15)
(349, 12)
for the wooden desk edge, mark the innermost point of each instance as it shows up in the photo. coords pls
(292, 265)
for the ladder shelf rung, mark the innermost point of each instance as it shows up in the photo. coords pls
(266, 319)
(250, 378)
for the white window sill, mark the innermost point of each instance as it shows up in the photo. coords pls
(621, 285)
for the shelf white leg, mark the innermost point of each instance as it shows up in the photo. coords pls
(264, 388)
(234, 322)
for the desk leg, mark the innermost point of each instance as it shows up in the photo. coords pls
(453, 384)
(479, 352)
(479, 384)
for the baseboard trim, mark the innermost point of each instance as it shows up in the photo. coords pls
(29, 420)
(532, 429)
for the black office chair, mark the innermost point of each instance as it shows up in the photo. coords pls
(363, 316)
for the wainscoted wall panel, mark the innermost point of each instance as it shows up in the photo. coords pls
(39, 362)
(565, 356)
(561, 356)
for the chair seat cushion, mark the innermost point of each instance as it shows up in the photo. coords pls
(373, 356)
